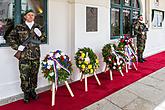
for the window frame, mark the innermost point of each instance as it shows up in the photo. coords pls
(121, 7)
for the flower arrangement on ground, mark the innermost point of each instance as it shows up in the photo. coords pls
(86, 60)
(56, 66)
(114, 59)
(125, 44)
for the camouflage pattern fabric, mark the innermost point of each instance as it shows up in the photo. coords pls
(28, 74)
(19, 34)
(141, 38)
(30, 56)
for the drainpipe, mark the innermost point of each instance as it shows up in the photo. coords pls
(147, 12)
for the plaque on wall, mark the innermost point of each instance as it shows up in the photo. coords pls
(91, 19)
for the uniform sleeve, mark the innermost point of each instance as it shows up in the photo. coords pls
(13, 39)
(137, 31)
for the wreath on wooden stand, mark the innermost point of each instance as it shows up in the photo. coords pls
(114, 59)
(126, 46)
(57, 68)
(87, 62)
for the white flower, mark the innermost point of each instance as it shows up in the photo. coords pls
(48, 67)
(64, 57)
(44, 63)
(50, 62)
(51, 74)
(57, 55)
(62, 53)
(114, 67)
(120, 67)
(109, 59)
(87, 59)
(121, 61)
(118, 63)
(57, 66)
(51, 54)
(114, 63)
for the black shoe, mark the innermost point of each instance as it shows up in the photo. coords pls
(141, 61)
(33, 94)
(144, 59)
(26, 97)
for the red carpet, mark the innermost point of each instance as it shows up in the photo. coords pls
(82, 99)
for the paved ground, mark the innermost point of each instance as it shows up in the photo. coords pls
(147, 93)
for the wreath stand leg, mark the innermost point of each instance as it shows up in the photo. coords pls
(135, 66)
(121, 72)
(69, 89)
(97, 79)
(86, 82)
(53, 94)
(81, 78)
(105, 68)
(126, 67)
(110, 72)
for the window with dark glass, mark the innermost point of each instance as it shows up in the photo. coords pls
(115, 22)
(6, 19)
(123, 14)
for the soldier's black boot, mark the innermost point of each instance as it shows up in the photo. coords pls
(33, 94)
(26, 97)
(144, 59)
(140, 59)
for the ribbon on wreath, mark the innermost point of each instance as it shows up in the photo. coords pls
(118, 56)
(129, 51)
(55, 84)
(56, 63)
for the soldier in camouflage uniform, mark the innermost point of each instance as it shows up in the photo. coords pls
(140, 31)
(29, 60)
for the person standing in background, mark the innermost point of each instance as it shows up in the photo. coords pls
(140, 29)
(26, 38)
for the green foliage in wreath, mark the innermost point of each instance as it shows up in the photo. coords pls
(52, 70)
(86, 60)
(126, 41)
(110, 55)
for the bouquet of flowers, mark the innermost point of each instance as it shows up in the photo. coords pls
(56, 66)
(125, 45)
(86, 60)
(113, 58)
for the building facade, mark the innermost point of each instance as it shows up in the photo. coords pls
(68, 29)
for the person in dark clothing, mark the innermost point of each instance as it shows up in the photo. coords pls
(140, 31)
(29, 59)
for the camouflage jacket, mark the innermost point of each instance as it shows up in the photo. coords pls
(139, 28)
(20, 34)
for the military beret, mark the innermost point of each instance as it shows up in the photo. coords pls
(28, 11)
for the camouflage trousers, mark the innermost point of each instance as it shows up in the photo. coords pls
(28, 74)
(140, 47)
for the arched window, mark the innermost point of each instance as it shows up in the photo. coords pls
(123, 14)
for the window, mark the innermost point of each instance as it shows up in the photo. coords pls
(123, 14)
(11, 13)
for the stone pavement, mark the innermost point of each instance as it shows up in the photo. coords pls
(147, 93)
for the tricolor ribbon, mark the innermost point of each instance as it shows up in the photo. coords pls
(130, 51)
(56, 62)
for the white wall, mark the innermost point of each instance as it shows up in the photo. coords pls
(58, 33)
(67, 31)
(155, 36)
